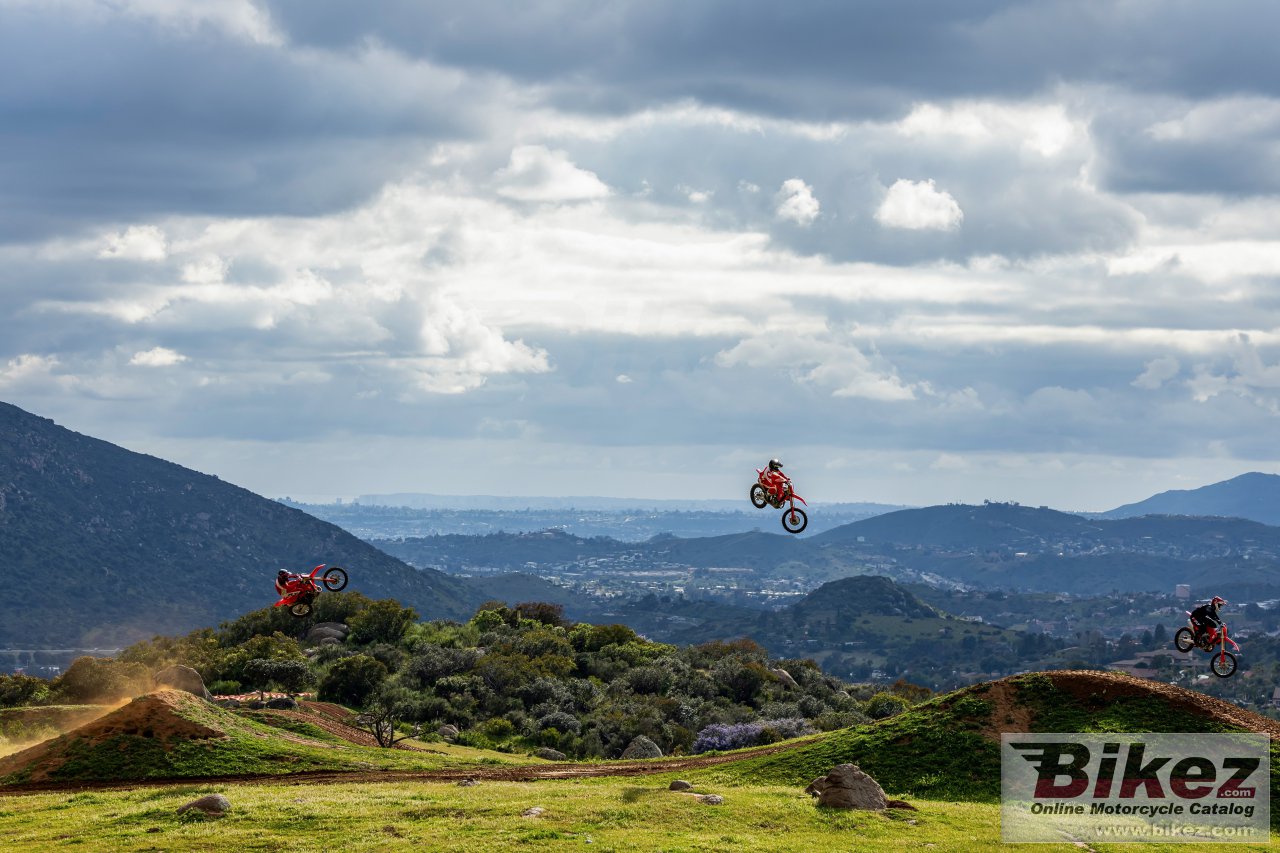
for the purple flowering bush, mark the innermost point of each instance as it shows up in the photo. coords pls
(725, 736)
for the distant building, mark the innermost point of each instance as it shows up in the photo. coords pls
(1182, 591)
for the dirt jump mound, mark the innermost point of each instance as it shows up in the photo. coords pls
(160, 720)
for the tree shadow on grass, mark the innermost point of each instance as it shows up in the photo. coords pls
(634, 794)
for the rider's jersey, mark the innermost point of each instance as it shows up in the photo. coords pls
(1207, 614)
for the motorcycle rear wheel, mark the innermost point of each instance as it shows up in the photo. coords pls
(301, 609)
(334, 578)
(759, 499)
(1223, 664)
(794, 520)
(1183, 641)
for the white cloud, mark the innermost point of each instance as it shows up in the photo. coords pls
(157, 357)
(1158, 371)
(1043, 129)
(240, 19)
(696, 196)
(796, 202)
(136, 243)
(821, 360)
(536, 173)
(1249, 377)
(27, 369)
(919, 205)
(623, 379)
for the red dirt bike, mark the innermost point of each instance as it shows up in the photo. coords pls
(794, 519)
(297, 592)
(1223, 663)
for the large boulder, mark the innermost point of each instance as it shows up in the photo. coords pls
(784, 676)
(847, 787)
(549, 754)
(642, 747)
(181, 677)
(282, 703)
(448, 732)
(323, 631)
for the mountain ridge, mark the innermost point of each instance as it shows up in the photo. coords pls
(102, 544)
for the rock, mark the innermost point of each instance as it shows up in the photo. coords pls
(711, 799)
(211, 805)
(532, 812)
(229, 704)
(900, 804)
(322, 632)
(447, 731)
(182, 677)
(679, 785)
(550, 754)
(785, 677)
(340, 627)
(330, 641)
(282, 703)
(642, 747)
(847, 787)
(467, 783)
(255, 704)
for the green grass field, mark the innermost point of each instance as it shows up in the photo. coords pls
(635, 814)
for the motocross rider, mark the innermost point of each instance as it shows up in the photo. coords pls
(774, 480)
(1206, 617)
(287, 582)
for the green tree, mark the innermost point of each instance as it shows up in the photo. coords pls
(291, 676)
(91, 679)
(383, 621)
(351, 680)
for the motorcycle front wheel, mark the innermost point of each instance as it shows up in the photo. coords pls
(301, 609)
(1183, 641)
(794, 520)
(1223, 664)
(758, 498)
(335, 579)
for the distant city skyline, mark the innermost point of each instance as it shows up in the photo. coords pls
(924, 252)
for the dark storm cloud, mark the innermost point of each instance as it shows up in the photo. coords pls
(818, 60)
(119, 119)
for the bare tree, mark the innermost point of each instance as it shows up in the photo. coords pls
(385, 709)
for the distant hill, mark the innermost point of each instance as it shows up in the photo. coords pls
(1254, 496)
(102, 545)
(962, 525)
(867, 616)
(1016, 547)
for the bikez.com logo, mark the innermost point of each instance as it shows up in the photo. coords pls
(1127, 771)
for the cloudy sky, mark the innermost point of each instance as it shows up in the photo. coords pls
(922, 250)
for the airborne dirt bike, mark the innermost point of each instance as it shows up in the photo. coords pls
(299, 591)
(794, 519)
(1223, 663)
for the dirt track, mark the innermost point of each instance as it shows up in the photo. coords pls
(513, 773)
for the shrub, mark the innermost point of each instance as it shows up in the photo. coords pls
(561, 722)
(884, 705)
(22, 690)
(721, 736)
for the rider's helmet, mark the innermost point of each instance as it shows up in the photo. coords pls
(1218, 601)
(775, 465)
(282, 576)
